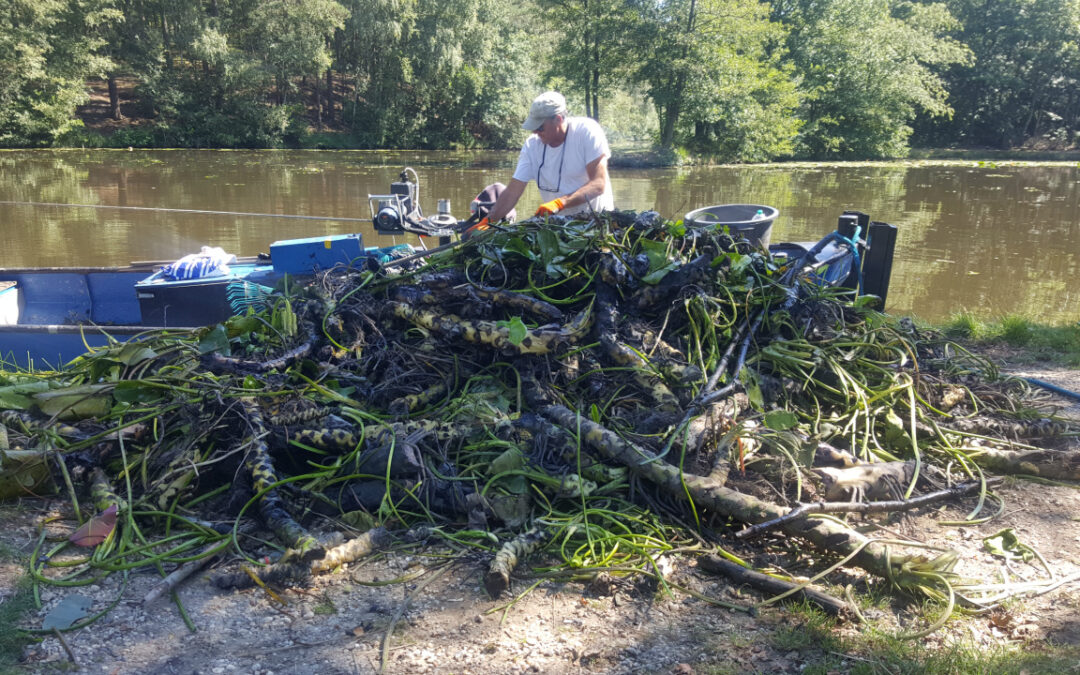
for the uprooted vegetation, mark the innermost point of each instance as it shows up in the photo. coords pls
(588, 395)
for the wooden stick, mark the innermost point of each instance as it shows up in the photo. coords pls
(178, 576)
(67, 648)
(763, 582)
(802, 510)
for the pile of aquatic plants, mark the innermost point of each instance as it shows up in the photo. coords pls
(594, 393)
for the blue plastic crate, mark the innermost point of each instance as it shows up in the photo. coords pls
(307, 256)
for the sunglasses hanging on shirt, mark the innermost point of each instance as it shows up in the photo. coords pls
(543, 158)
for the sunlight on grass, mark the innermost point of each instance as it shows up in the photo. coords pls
(962, 324)
(1053, 344)
(1016, 330)
(823, 649)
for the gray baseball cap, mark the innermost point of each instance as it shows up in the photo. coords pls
(544, 107)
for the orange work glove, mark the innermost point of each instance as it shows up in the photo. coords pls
(550, 208)
(484, 224)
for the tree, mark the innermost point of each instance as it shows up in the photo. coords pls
(589, 53)
(868, 67)
(1023, 82)
(712, 69)
(291, 37)
(434, 74)
(47, 50)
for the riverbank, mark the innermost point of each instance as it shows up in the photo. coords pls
(1022, 340)
(135, 128)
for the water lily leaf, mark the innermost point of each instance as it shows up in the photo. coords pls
(896, 436)
(1006, 544)
(103, 368)
(17, 396)
(739, 262)
(548, 242)
(97, 529)
(511, 460)
(133, 391)
(216, 340)
(513, 510)
(521, 247)
(781, 420)
(241, 325)
(657, 276)
(82, 402)
(24, 473)
(677, 228)
(13, 401)
(361, 520)
(656, 252)
(71, 609)
(133, 353)
(518, 330)
(753, 388)
(868, 300)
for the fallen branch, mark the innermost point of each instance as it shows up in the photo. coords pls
(180, 574)
(826, 534)
(763, 582)
(802, 510)
(1044, 463)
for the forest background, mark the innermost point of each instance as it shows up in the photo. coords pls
(724, 80)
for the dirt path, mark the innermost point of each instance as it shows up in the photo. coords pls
(337, 623)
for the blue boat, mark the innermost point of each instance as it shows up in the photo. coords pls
(50, 315)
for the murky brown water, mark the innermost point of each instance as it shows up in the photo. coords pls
(994, 240)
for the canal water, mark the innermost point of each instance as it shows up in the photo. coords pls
(991, 239)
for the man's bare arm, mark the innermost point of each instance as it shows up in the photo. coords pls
(507, 200)
(597, 171)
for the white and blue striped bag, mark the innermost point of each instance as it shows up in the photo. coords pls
(211, 261)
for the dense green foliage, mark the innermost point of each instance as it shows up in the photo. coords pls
(736, 80)
(1022, 88)
(47, 49)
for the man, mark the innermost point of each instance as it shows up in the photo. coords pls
(566, 156)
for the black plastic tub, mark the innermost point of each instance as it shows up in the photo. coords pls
(752, 222)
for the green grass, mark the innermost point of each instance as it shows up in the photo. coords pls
(12, 611)
(1055, 344)
(1016, 331)
(867, 652)
(962, 324)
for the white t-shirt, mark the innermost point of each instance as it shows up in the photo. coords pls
(560, 171)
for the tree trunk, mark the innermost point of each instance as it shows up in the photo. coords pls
(329, 96)
(316, 81)
(114, 99)
(671, 116)
(165, 41)
(595, 88)
(673, 107)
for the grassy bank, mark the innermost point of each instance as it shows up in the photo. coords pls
(1037, 343)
